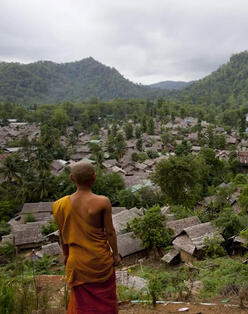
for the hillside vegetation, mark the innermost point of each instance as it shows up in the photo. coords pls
(49, 82)
(228, 85)
(171, 85)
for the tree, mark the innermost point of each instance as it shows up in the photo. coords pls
(139, 144)
(120, 145)
(128, 128)
(138, 132)
(230, 223)
(144, 124)
(179, 179)
(12, 167)
(126, 198)
(151, 230)
(243, 198)
(60, 119)
(215, 166)
(165, 137)
(108, 184)
(42, 159)
(135, 156)
(150, 126)
(183, 149)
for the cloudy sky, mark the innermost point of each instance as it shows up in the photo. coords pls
(146, 40)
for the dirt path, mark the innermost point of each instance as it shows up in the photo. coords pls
(173, 308)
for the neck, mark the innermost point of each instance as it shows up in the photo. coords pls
(83, 188)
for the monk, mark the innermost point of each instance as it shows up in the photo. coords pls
(89, 244)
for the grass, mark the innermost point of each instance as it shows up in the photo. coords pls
(215, 274)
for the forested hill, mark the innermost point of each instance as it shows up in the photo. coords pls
(171, 85)
(49, 82)
(227, 85)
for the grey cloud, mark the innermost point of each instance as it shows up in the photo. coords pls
(146, 40)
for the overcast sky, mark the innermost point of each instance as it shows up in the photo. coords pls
(146, 40)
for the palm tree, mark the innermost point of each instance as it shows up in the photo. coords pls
(42, 159)
(12, 168)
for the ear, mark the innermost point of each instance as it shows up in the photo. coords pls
(94, 177)
(71, 178)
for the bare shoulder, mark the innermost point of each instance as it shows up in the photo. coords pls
(105, 202)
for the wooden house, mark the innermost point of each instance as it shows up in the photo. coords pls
(190, 241)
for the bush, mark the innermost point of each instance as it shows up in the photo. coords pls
(181, 211)
(152, 154)
(29, 217)
(4, 228)
(135, 156)
(148, 197)
(8, 209)
(213, 247)
(108, 184)
(230, 223)
(216, 274)
(51, 227)
(243, 198)
(127, 198)
(7, 252)
(244, 235)
(151, 230)
(240, 179)
(155, 288)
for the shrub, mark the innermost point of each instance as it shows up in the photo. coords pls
(181, 211)
(135, 156)
(51, 227)
(4, 228)
(240, 179)
(155, 288)
(230, 223)
(7, 252)
(151, 230)
(213, 247)
(152, 154)
(126, 198)
(244, 235)
(108, 184)
(29, 217)
(148, 197)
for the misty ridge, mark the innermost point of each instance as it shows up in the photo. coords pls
(49, 82)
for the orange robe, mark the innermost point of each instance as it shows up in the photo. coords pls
(90, 258)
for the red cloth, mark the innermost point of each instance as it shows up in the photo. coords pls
(94, 298)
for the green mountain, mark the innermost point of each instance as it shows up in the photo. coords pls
(49, 82)
(171, 85)
(228, 84)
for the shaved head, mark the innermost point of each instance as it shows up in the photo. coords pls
(83, 173)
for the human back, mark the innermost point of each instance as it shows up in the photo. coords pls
(90, 207)
(89, 244)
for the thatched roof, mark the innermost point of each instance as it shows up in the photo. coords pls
(43, 216)
(193, 237)
(57, 165)
(178, 225)
(120, 220)
(28, 234)
(184, 243)
(138, 211)
(168, 258)
(140, 166)
(50, 249)
(128, 245)
(199, 233)
(37, 207)
(117, 210)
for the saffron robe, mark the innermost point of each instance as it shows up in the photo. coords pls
(94, 298)
(90, 258)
